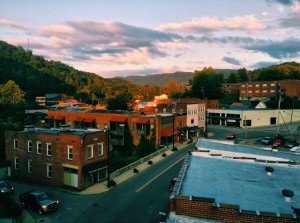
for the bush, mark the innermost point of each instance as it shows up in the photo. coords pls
(174, 149)
(112, 183)
(135, 170)
(10, 205)
(150, 162)
(164, 155)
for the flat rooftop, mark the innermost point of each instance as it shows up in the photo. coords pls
(236, 175)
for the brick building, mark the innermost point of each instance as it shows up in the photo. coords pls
(224, 182)
(61, 157)
(264, 89)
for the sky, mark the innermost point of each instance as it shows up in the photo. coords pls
(140, 37)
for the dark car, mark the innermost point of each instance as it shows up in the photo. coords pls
(6, 188)
(230, 136)
(267, 140)
(290, 144)
(39, 201)
(172, 183)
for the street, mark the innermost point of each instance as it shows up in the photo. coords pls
(143, 197)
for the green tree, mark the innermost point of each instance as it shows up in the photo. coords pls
(206, 84)
(242, 74)
(145, 147)
(232, 78)
(10, 93)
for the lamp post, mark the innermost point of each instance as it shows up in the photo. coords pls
(106, 130)
(173, 129)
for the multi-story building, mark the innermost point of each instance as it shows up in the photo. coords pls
(60, 157)
(264, 89)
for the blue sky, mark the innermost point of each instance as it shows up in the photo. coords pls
(134, 37)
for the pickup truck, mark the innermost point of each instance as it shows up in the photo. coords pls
(39, 201)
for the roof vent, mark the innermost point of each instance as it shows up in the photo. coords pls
(64, 128)
(287, 194)
(269, 170)
(29, 128)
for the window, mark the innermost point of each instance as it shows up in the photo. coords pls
(29, 166)
(16, 163)
(70, 152)
(15, 143)
(49, 149)
(192, 121)
(49, 170)
(90, 151)
(38, 147)
(100, 149)
(29, 146)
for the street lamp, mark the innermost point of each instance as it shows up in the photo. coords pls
(106, 130)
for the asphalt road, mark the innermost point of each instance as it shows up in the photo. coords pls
(139, 199)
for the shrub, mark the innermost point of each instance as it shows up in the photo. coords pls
(135, 170)
(164, 155)
(174, 149)
(150, 162)
(112, 183)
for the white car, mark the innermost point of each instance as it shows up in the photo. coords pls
(295, 149)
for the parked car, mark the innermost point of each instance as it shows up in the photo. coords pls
(277, 142)
(172, 183)
(6, 188)
(290, 144)
(39, 201)
(267, 140)
(230, 136)
(295, 149)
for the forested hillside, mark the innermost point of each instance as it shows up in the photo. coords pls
(162, 79)
(37, 76)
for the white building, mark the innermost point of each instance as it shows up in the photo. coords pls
(252, 117)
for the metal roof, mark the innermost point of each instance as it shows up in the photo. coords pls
(236, 175)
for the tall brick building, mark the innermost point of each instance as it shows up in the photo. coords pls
(61, 157)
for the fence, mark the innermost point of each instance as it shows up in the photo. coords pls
(138, 162)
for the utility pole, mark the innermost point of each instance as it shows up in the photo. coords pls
(246, 130)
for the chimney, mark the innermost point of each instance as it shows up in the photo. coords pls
(287, 194)
(29, 128)
(64, 128)
(269, 170)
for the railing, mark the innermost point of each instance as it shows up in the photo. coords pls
(138, 162)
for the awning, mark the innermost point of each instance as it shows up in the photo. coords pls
(120, 119)
(89, 168)
(59, 118)
(49, 117)
(168, 132)
(143, 121)
(89, 120)
(78, 119)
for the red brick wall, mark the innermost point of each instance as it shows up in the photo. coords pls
(59, 156)
(181, 205)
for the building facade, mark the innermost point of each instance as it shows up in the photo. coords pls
(252, 117)
(61, 157)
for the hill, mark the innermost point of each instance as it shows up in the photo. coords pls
(161, 79)
(37, 77)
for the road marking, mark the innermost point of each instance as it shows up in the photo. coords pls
(158, 175)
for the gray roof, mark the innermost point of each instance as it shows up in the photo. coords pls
(236, 175)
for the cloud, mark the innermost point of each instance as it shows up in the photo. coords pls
(5, 22)
(284, 2)
(110, 40)
(293, 21)
(209, 24)
(231, 60)
(288, 48)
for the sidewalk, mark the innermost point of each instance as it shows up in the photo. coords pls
(102, 186)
